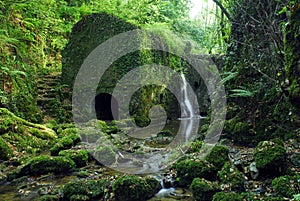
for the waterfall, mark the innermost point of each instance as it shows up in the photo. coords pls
(187, 105)
(188, 111)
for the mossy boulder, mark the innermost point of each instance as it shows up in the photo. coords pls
(48, 164)
(189, 169)
(287, 186)
(135, 188)
(88, 189)
(218, 156)
(227, 196)
(80, 157)
(270, 157)
(232, 177)
(70, 140)
(203, 189)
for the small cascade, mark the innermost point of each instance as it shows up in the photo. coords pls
(188, 110)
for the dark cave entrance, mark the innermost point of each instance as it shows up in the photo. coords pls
(106, 105)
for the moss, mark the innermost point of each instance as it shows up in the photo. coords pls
(5, 150)
(22, 136)
(237, 130)
(227, 196)
(80, 157)
(270, 157)
(65, 143)
(230, 176)
(195, 146)
(203, 189)
(135, 188)
(85, 188)
(287, 186)
(10, 121)
(188, 169)
(218, 156)
(45, 164)
(48, 198)
(79, 198)
(105, 155)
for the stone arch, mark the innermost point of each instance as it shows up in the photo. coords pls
(106, 107)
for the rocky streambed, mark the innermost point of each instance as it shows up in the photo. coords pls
(41, 163)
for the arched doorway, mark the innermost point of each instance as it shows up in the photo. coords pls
(106, 105)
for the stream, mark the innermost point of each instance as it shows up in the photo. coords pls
(185, 128)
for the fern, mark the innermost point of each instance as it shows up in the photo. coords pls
(241, 93)
(297, 197)
(229, 76)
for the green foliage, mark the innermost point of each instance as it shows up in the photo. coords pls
(270, 157)
(189, 169)
(218, 156)
(90, 189)
(286, 186)
(232, 177)
(135, 188)
(203, 190)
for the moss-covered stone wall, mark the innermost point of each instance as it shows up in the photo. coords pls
(93, 30)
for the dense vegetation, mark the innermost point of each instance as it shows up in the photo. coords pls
(256, 46)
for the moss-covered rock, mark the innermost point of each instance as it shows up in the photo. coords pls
(71, 139)
(5, 151)
(22, 136)
(88, 189)
(203, 189)
(189, 169)
(287, 186)
(80, 157)
(218, 156)
(270, 157)
(135, 188)
(232, 177)
(227, 196)
(46, 164)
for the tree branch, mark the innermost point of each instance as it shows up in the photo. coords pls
(223, 9)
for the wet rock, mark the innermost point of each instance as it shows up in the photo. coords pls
(295, 160)
(254, 172)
